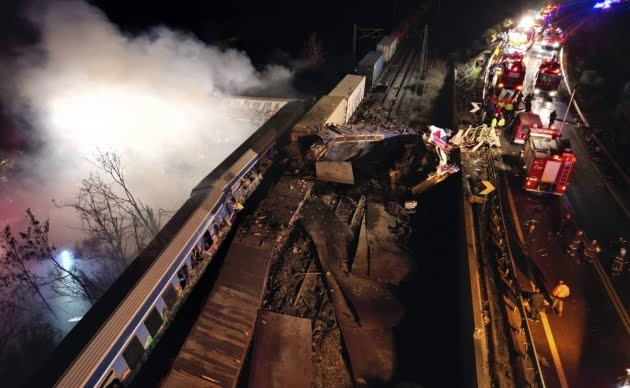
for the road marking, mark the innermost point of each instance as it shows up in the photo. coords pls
(554, 350)
(621, 311)
(610, 289)
(550, 340)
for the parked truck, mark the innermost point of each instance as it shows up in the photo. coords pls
(548, 164)
(548, 78)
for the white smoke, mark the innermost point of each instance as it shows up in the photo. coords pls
(154, 99)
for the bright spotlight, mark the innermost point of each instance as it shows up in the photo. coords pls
(66, 259)
(526, 22)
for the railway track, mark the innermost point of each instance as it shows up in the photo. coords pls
(394, 90)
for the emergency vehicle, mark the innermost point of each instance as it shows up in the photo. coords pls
(522, 37)
(548, 165)
(529, 124)
(553, 39)
(548, 78)
(549, 9)
(510, 75)
(512, 54)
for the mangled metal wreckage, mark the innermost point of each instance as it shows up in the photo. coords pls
(340, 150)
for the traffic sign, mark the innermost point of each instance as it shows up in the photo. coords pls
(489, 188)
(476, 107)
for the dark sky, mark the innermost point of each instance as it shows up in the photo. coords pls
(260, 26)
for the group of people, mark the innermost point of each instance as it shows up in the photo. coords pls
(500, 109)
(579, 248)
(558, 295)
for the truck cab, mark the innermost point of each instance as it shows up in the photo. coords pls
(528, 124)
(548, 78)
(553, 38)
(510, 75)
(548, 165)
(522, 125)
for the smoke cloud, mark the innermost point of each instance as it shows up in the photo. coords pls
(158, 100)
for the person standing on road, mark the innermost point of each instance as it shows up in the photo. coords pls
(501, 122)
(564, 224)
(559, 294)
(528, 102)
(519, 100)
(509, 109)
(552, 117)
(575, 243)
(536, 303)
(591, 251)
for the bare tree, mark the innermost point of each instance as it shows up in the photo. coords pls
(314, 50)
(34, 247)
(117, 224)
(16, 261)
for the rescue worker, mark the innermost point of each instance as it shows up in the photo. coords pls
(575, 243)
(493, 122)
(591, 251)
(552, 117)
(528, 102)
(559, 294)
(499, 109)
(619, 262)
(501, 121)
(489, 110)
(536, 304)
(509, 109)
(564, 224)
(519, 100)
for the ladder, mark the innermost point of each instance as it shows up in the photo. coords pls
(565, 173)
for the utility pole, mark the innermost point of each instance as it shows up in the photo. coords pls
(371, 33)
(354, 48)
(567, 111)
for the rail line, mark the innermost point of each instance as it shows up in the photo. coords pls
(396, 86)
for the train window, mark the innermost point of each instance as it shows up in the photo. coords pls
(133, 352)
(153, 322)
(160, 306)
(170, 296)
(111, 376)
(144, 336)
(207, 238)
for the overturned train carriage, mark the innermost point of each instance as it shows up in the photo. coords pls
(117, 333)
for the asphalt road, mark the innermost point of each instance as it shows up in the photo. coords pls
(589, 345)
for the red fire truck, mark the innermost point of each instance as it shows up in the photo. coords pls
(510, 75)
(528, 124)
(553, 39)
(548, 164)
(548, 78)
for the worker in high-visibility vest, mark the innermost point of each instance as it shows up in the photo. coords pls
(501, 122)
(559, 294)
(509, 109)
(493, 123)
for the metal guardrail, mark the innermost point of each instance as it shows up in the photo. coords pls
(607, 153)
(497, 209)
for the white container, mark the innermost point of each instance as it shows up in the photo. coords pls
(371, 66)
(352, 87)
(328, 110)
(387, 46)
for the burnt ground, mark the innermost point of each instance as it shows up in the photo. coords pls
(435, 332)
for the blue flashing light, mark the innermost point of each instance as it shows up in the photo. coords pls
(606, 4)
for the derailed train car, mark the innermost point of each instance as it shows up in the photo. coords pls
(120, 330)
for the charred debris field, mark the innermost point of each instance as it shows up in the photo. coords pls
(379, 280)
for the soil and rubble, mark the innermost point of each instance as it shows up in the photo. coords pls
(346, 219)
